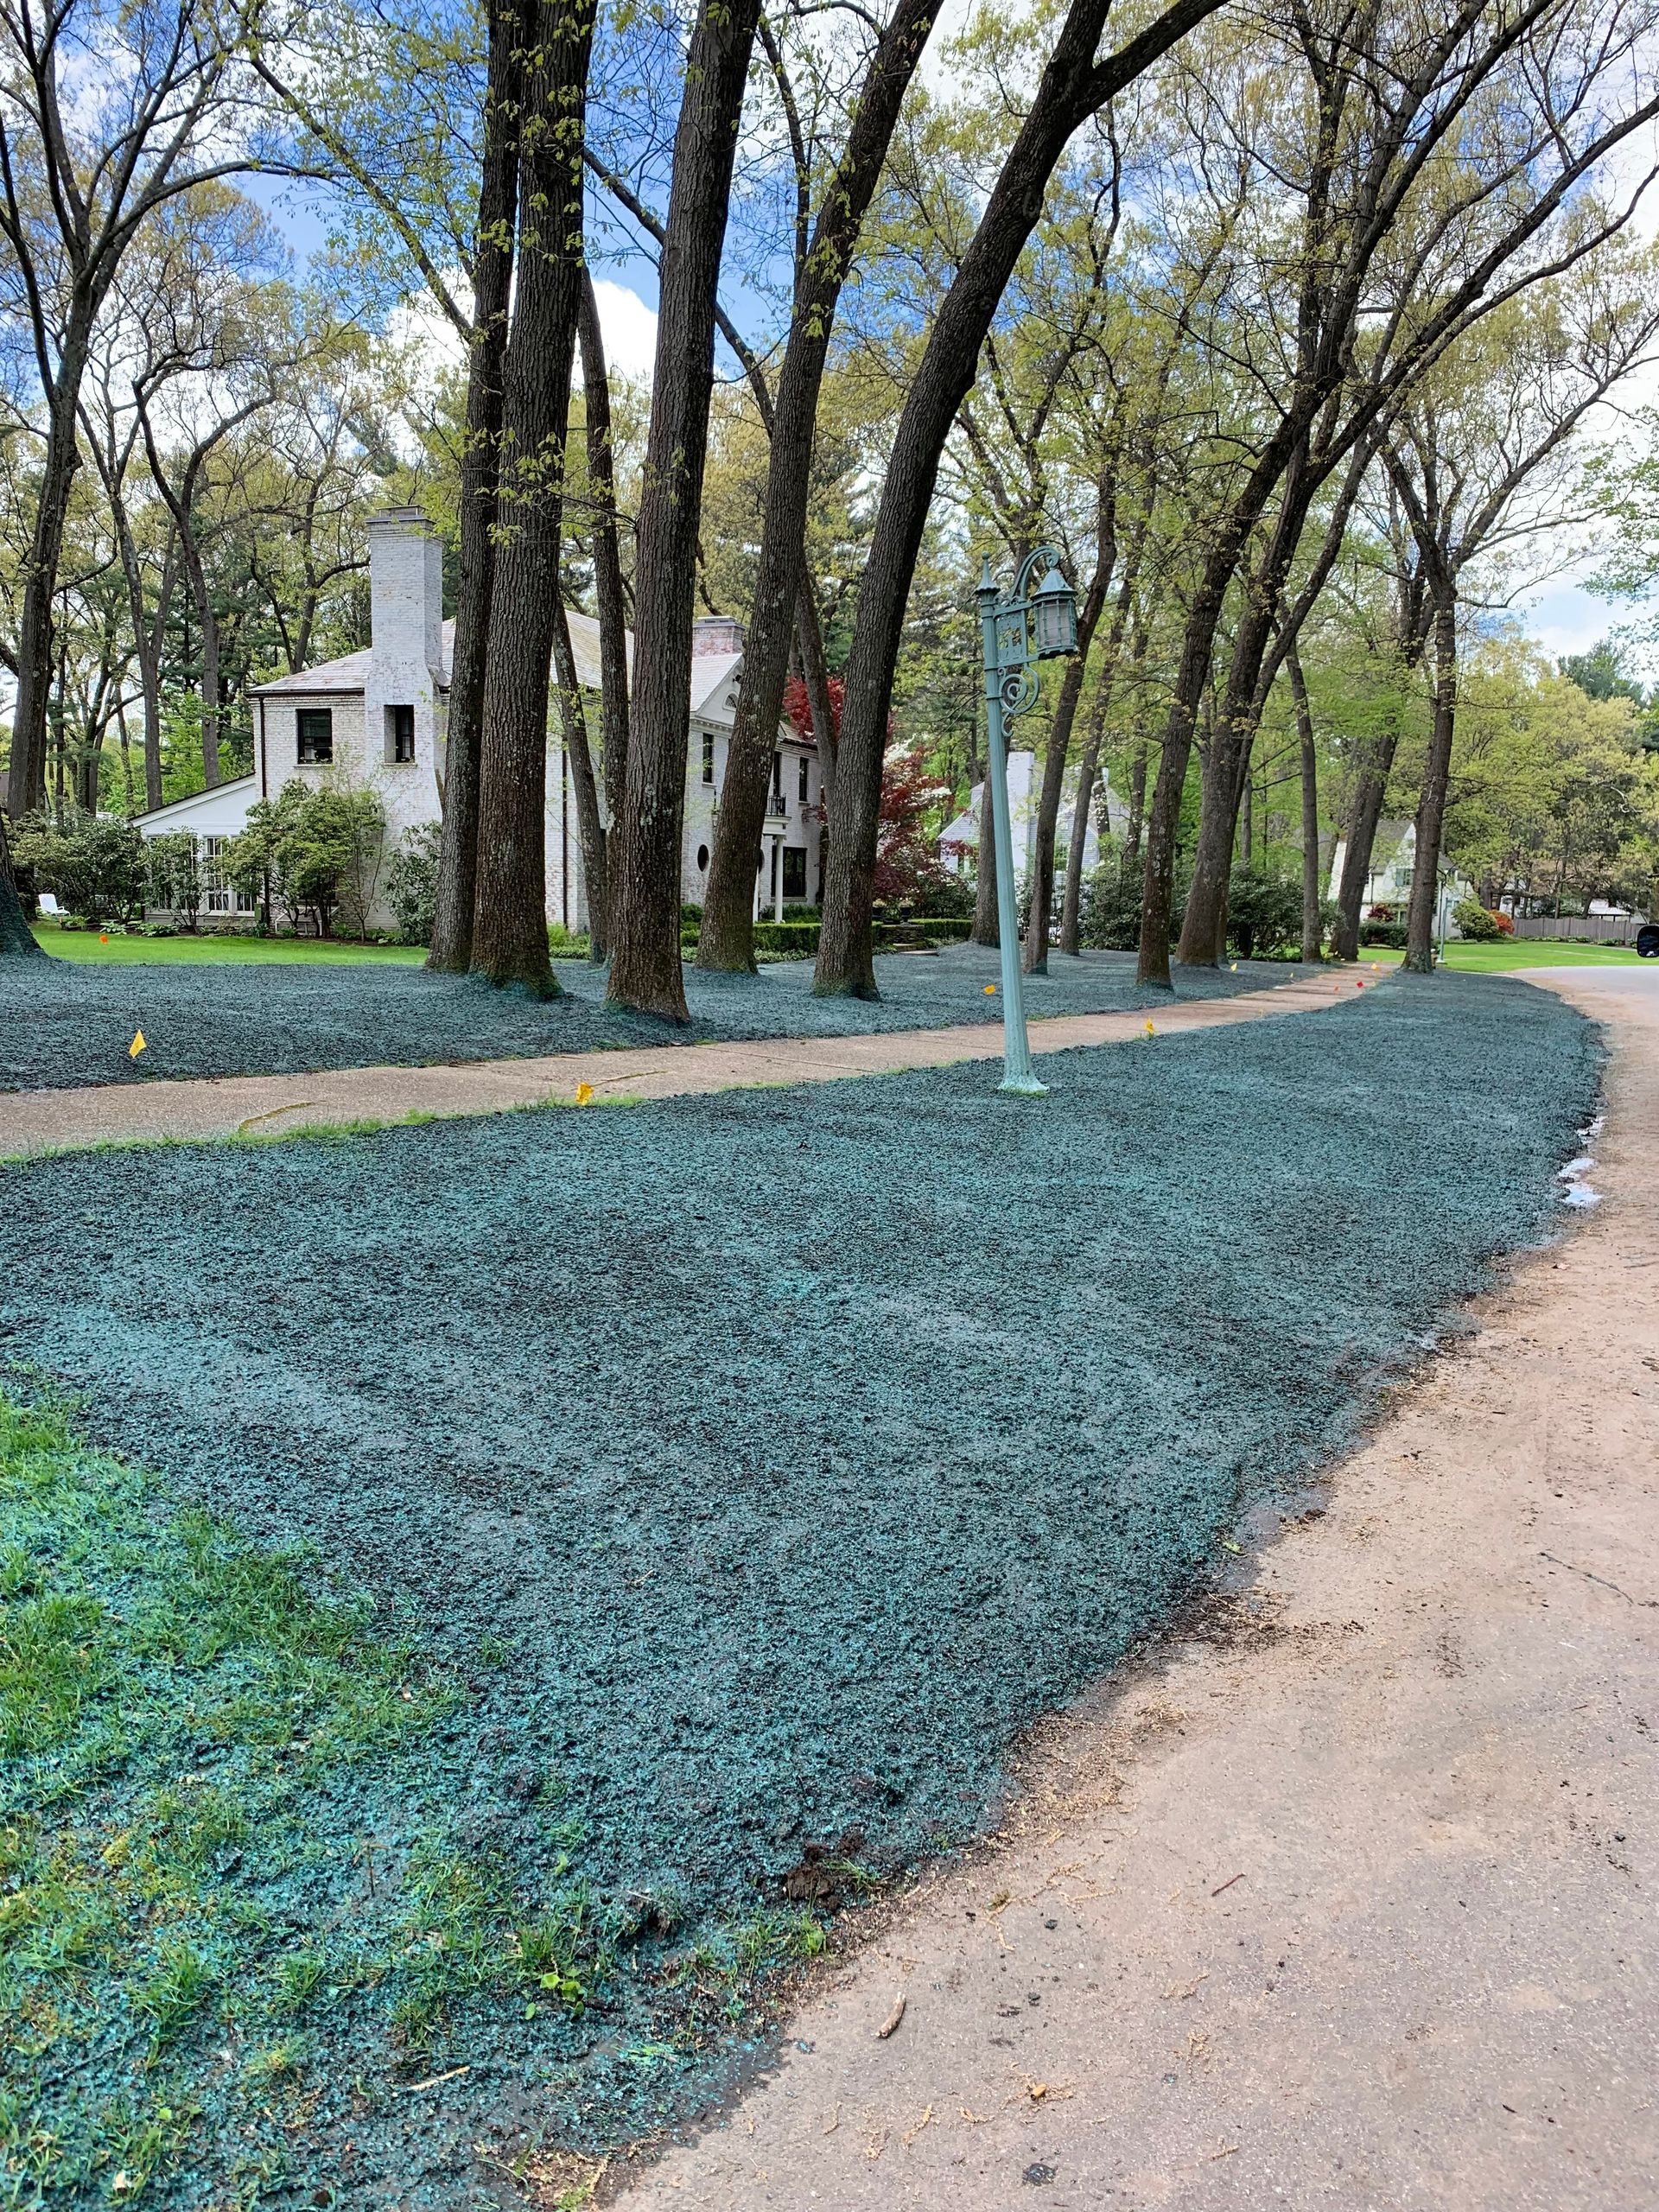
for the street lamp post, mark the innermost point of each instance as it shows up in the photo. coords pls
(1016, 632)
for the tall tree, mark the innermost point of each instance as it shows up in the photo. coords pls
(726, 940)
(106, 115)
(1073, 86)
(1390, 90)
(510, 915)
(487, 337)
(645, 876)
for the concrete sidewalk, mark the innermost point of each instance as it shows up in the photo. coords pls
(269, 1105)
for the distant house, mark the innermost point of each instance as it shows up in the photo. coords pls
(958, 841)
(374, 721)
(1393, 866)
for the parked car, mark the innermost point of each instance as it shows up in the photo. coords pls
(1647, 940)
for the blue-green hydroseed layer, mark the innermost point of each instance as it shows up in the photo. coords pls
(69, 1022)
(759, 1464)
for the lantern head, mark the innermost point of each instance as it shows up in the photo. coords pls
(1053, 618)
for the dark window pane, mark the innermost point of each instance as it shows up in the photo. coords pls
(401, 722)
(794, 871)
(313, 728)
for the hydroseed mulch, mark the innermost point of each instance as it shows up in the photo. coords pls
(63, 1024)
(700, 1498)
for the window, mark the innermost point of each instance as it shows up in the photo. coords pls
(794, 871)
(217, 897)
(400, 734)
(707, 756)
(703, 858)
(1402, 879)
(313, 728)
(777, 775)
(803, 772)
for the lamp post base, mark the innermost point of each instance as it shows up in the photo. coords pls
(1024, 1086)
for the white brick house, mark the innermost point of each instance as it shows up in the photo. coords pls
(374, 721)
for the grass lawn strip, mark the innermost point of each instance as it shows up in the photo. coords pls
(746, 1471)
(63, 1025)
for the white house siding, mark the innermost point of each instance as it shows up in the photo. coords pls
(958, 841)
(406, 667)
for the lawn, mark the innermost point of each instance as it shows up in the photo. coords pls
(1504, 958)
(215, 946)
(696, 1501)
(65, 1023)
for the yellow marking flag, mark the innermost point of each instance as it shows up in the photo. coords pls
(990, 990)
(584, 1094)
(1151, 1032)
(136, 1046)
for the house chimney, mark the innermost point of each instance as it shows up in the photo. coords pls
(405, 595)
(717, 634)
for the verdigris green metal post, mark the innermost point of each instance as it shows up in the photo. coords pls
(1017, 1074)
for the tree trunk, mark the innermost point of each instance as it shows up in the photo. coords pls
(17, 938)
(1312, 932)
(1365, 812)
(645, 878)
(590, 826)
(607, 565)
(26, 788)
(510, 916)
(1082, 814)
(210, 679)
(1431, 806)
(815, 675)
(497, 198)
(1034, 955)
(782, 607)
(1135, 828)
(985, 930)
(1072, 87)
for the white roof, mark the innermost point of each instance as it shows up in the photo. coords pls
(351, 671)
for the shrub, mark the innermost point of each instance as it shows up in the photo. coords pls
(1264, 912)
(1475, 923)
(92, 864)
(311, 851)
(785, 940)
(1389, 935)
(175, 871)
(945, 929)
(412, 883)
(1109, 919)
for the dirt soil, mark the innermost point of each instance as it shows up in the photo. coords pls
(1347, 1896)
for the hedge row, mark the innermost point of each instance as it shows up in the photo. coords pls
(800, 940)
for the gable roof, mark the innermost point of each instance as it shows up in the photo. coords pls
(351, 671)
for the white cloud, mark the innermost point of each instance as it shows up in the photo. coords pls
(629, 329)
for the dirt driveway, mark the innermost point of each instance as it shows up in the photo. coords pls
(1348, 1896)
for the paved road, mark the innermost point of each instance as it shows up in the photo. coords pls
(269, 1105)
(1347, 1896)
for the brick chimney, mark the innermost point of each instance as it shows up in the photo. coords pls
(717, 634)
(405, 598)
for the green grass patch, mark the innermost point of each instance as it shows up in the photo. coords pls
(176, 1706)
(1503, 959)
(209, 946)
(246, 1896)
